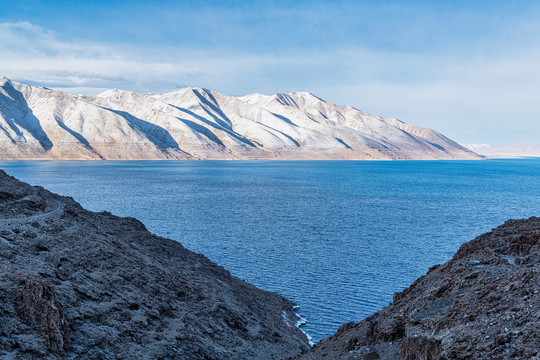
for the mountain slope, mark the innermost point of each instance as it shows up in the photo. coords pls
(482, 304)
(82, 285)
(195, 123)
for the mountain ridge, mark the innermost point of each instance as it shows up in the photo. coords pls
(198, 123)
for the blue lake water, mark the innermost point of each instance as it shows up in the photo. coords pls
(338, 238)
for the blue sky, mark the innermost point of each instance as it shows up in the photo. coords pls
(470, 69)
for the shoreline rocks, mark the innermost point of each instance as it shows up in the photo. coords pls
(482, 304)
(79, 284)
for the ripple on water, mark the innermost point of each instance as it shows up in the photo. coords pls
(338, 238)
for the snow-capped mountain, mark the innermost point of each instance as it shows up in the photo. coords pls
(195, 123)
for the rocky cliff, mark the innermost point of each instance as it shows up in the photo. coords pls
(82, 285)
(194, 123)
(482, 304)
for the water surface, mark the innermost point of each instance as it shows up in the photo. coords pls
(337, 237)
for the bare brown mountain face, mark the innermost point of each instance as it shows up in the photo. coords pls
(82, 285)
(482, 304)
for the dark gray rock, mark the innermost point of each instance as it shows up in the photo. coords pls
(482, 304)
(82, 285)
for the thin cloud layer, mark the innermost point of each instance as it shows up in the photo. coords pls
(36, 55)
(469, 96)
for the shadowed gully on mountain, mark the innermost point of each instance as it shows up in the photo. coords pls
(194, 123)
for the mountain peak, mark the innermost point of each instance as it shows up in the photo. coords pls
(198, 123)
(253, 98)
(305, 94)
(113, 93)
(186, 90)
(284, 98)
(4, 80)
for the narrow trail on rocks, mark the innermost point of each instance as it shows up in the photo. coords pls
(78, 284)
(56, 208)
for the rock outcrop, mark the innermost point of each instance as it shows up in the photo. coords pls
(82, 285)
(482, 304)
(194, 123)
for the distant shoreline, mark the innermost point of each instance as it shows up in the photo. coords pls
(261, 160)
(483, 157)
(487, 157)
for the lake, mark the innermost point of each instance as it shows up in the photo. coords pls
(336, 237)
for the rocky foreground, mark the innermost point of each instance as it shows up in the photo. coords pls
(482, 304)
(82, 285)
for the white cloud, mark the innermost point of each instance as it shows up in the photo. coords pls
(473, 97)
(36, 55)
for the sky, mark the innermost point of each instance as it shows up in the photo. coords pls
(469, 69)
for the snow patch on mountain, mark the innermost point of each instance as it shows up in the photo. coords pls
(197, 123)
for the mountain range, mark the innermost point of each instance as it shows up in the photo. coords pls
(196, 123)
